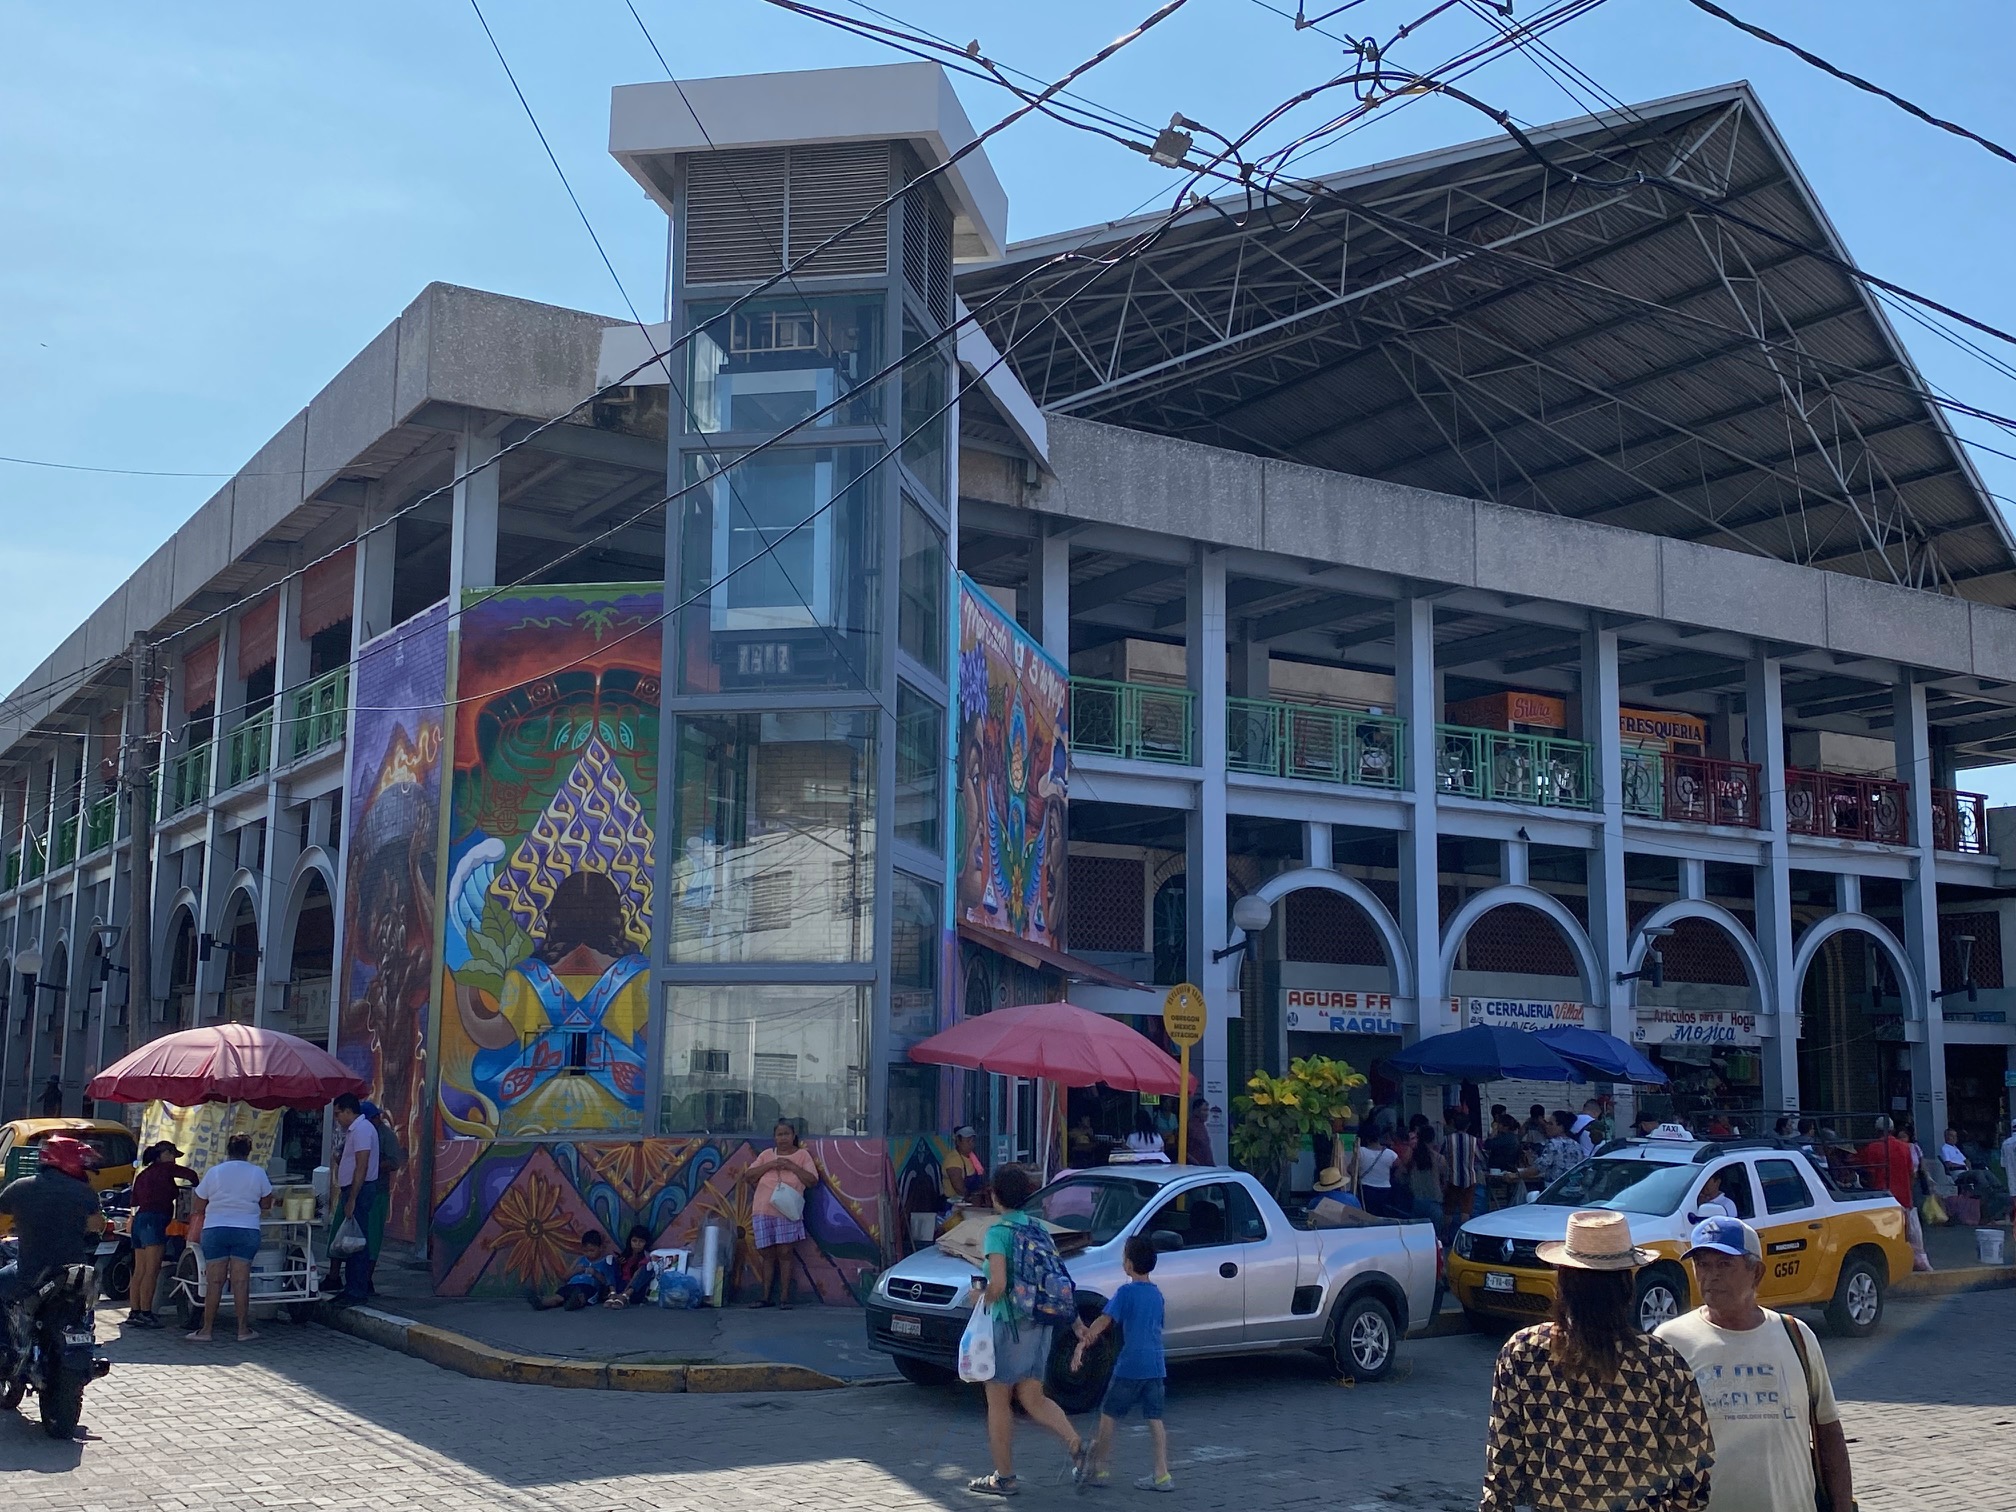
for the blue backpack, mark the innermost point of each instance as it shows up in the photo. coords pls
(1038, 1287)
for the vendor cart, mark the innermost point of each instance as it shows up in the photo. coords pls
(284, 1274)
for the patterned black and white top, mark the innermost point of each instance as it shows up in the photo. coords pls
(1639, 1443)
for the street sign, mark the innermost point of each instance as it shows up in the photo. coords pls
(1183, 1014)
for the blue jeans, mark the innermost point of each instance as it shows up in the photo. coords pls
(357, 1268)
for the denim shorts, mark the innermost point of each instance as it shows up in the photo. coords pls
(228, 1244)
(149, 1229)
(1123, 1396)
(1020, 1354)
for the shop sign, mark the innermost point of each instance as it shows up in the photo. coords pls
(1521, 1013)
(1183, 1015)
(1974, 1015)
(1326, 1010)
(1695, 1026)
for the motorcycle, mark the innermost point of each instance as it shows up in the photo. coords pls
(49, 1345)
(114, 1257)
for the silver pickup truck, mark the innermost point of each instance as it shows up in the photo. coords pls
(1237, 1277)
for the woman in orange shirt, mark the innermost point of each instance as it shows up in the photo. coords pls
(788, 1164)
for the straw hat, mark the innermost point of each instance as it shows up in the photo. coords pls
(1596, 1241)
(1329, 1179)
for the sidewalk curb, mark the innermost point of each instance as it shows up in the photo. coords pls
(1952, 1283)
(485, 1362)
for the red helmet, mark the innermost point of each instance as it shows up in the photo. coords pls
(70, 1156)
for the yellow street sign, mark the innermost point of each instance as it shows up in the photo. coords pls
(1183, 1014)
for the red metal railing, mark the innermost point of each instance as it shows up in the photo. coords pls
(1844, 807)
(1959, 821)
(1705, 790)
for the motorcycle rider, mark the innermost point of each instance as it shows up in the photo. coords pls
(55, 1213)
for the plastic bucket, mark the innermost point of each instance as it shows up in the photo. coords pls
(1988, 1245)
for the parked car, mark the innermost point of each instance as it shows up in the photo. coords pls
(112, 1147)
(1823, 1246)
(1238, 1276)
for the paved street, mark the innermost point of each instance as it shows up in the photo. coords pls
(308, 1418)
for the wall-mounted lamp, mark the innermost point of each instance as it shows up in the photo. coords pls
(206, 943)
(1966, 943)
(1251, 916)
(1653, 972)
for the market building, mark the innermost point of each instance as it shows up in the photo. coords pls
(1537, 601)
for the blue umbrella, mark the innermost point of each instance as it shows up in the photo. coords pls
(1602, 1055)
(1485, 1053)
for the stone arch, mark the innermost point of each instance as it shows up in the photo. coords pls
(245, 882)
(237, 932)
(1397, 957)
(1712, 913)
(313, 864)
(302, 1002)
(1819, 934)
(175, 967)
(1531, 897)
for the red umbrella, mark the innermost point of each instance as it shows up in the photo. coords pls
(1058, 1042)
(227, 1063)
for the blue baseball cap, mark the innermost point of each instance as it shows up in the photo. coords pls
(1726, 1236)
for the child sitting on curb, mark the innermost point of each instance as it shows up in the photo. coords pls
(592, 1280)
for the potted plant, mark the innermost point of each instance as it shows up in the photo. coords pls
(1276, 1113)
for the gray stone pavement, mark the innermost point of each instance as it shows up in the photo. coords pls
(307, 1418)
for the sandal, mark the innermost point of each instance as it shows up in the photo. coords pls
(995, 1485)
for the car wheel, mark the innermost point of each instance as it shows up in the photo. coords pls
(1080, 1391)
(1364, 1341)
(1661, 1296)
(923, 1373)
(1858, 1299)
(115, 1281)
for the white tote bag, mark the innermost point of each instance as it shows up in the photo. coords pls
(789, 1202)
(976, 1345)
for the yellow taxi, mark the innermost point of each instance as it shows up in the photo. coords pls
(1823, 1246)
(112, 1146)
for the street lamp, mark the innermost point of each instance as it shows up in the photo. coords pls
(1653, 972)
(1250, 916)
(1967, 984)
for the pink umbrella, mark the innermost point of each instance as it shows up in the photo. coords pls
(227, 1063)
(1058, 1042)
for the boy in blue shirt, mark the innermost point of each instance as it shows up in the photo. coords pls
(1136, 1309)
(591, 1281)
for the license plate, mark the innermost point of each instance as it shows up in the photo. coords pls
(1500, 1281)
(107, 1249)
(910, 1328)
(78, 1336)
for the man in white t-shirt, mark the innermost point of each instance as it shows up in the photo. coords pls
(230, 1200)
(355, 1194)
(1764, 1414)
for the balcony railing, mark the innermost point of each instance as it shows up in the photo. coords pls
(1844, 807)
(248, 749)
(1139, 721)
(1959, 821)
(66, 841)
(1509, 768)
(188, 781)
(316, 712)
(1319, 744)
(101, 823)
(1692, 789)
(33, 862)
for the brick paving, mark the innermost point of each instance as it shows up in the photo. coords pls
(306, 1418)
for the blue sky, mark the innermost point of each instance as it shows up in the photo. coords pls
(208, 209)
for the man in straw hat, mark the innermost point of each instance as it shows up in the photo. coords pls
(1763, 1380)
(1588, 1410)
(1333, 1205)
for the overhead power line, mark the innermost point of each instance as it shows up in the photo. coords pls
(1865, 85)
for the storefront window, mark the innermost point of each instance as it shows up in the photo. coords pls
(774, 833)
(915, 929)
(925, 362)
(920, 613)
(740, 1057)
(920, 746)
(913, 1099)
(778, 560)
(770, 364)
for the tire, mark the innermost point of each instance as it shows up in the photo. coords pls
(62, 1401)
(1364, 1341)
(1857, 1307)
(115, 1280)
(187, 1309)
(1488, 1324)
(1081, 1392)
(923, 1373)
(1659, 1297)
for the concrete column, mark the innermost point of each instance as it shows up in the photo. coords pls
(1206, 872)
(1921, 916)
(1771, 883)
(1050, 617)
(1417, 700)
(378, 554)
(1246, 666)
(472, 551)
(1609, 930)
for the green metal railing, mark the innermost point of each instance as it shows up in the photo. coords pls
(33, 863)
(13, 872)
(316, 712)
(1509, 768)
(1140, 721)
(248, 749)
(66, 841)
(101, 823)
(188, 779)
(1308, 741)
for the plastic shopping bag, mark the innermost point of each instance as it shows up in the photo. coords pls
(349, 1240)
(976, 1345)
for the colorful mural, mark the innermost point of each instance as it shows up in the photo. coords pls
(508, 1214)
(547, 934)
(392, 816)
(1014, 756)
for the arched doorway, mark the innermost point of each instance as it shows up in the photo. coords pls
(1854, 1064)
(49, 1011)
(303, 1008)
(1703, 1025)
(181, 1005)
(1329, 977)
(241, 959)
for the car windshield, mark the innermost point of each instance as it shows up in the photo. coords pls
(108, 1147)
(1629, 1186)
(1097, 1205)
